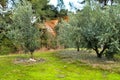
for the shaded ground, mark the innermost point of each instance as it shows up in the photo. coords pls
(51, 67)
(86, 57)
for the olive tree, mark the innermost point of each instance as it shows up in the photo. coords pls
(95, 29)
(63, 34)
(68, 32)
(99, 30)
(22, 31)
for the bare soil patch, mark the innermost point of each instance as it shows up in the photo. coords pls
(27, 61)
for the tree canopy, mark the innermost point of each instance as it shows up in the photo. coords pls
(94, 28)
(22, 31)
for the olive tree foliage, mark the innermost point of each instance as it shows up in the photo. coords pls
(6, 45)
(68, 34)
(99, 30)
(75, 35)
(95, 29)
(114, 39)
(105, 2)
(64, 31)
(23, 33)
(96, 25)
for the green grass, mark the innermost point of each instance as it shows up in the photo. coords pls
(51, 68)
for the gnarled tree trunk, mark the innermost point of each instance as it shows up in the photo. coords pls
(100, 53)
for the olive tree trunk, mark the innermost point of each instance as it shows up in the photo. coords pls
(100, 53)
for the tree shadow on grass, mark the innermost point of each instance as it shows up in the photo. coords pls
(89, 58)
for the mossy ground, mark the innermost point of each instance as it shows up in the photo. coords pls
(51, 67)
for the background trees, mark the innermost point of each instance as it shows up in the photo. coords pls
(92, 27)
(46, 11)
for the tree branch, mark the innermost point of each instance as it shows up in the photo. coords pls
(104, 48)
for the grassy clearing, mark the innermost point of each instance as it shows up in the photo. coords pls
(51, 66)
